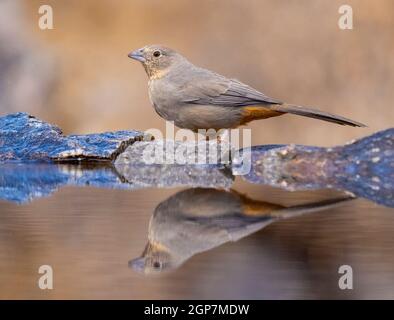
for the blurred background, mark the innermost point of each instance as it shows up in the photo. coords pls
(79, 77)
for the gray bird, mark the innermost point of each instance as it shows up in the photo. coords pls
(196, 98)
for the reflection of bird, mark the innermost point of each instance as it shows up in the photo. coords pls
(197, 220)
(196, 98)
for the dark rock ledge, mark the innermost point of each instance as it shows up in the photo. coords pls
(23, 137)
(364, 167)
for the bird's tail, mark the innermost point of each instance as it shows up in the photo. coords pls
(317, 114)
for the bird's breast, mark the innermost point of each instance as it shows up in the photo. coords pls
(163, 98)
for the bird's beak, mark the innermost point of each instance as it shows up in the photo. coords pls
(137, 55)
(138, 264)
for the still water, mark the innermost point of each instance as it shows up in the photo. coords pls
(94, 239)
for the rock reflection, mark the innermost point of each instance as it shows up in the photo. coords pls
(197, 220)
(24, 182)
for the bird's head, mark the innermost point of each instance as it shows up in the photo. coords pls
(156, 59)
(155, 259)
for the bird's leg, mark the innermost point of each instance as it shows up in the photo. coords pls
(223, 135)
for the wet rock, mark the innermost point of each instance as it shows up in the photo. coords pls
(23, 137)
(35, 144)
(168, 163)
(364, 167)
(169, 152)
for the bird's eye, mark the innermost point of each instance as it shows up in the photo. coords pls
(156, 265)
(157, 53)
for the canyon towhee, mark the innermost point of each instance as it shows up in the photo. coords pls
(196, 98)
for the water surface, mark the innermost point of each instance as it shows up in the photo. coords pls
(89, 235)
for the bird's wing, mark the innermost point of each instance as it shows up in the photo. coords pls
(209, 88)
